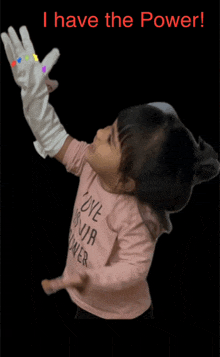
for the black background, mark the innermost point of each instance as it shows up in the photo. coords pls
(100, 72)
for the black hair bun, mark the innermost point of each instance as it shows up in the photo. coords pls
(207, 166)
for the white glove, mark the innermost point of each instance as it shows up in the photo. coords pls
(29, 75)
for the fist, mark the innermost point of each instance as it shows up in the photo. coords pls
(76, 281)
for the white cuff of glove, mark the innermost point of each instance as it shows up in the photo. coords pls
(61, 138)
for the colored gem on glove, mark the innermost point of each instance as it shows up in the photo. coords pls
(35, 57)
(13, 64)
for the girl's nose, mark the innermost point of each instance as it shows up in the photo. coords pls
(102, 132)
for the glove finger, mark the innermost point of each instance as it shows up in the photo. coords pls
(8, 48)
(17, 45)
(28, 45)
(50, 59)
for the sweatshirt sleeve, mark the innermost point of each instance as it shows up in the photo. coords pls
(74, 158)
(134, 252)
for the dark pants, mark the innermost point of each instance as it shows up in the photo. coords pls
(82, 314)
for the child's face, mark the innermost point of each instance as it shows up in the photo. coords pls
(106, 156)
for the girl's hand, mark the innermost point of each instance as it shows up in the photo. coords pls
(26, 68)
(77, 281)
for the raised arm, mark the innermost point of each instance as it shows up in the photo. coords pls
(60, 155)
(29, 74)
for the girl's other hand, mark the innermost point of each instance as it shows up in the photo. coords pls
(77, 281)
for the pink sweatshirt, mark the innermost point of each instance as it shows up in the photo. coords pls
(109, 241)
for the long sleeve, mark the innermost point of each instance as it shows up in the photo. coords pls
(74, 158)
(134, 249)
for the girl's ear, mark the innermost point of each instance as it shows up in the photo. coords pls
(130, 185)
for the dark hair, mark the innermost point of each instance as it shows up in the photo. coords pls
(161, 155)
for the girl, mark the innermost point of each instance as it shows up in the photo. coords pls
(136, 173)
